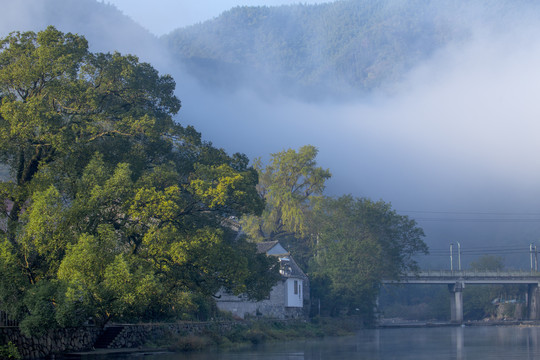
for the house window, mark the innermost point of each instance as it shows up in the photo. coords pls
(295, 287)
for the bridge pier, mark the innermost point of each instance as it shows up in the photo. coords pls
(456, 280)
(533, 302)
(456, 302)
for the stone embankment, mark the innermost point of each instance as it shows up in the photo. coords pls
(81, 339)
(54, 342)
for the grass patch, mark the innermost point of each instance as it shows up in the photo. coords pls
(246, 334)
(191, 343)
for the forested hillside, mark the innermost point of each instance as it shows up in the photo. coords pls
(106, 27)
(329, 48)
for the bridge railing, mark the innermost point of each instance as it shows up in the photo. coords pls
(474, 273)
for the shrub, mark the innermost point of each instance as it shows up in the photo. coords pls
(9, 351)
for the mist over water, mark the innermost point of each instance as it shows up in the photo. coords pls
(453, 145)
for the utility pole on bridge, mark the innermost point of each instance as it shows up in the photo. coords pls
(534, 251)
(452, 256)
(459, 255)
(451, 260)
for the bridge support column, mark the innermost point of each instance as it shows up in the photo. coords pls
(456, 302)
(533, 302)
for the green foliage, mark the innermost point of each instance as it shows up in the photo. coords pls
(357, 243)
(259, 332)
(113, 210)
(480, 301)
(13, 280)
(288, 184)
(477, 301)
(326, 48)
(9, 351)
(415, 302)
(347, 245)
(40, 301)
(487, 263)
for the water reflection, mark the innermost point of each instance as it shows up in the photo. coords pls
(505, 342)
(457, 337)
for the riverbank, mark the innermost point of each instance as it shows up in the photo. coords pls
(399, 323)
(475, 342)
(239, 335)
(177, 337)
(244, 334)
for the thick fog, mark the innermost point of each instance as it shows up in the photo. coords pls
(104, 26)
(453, 145)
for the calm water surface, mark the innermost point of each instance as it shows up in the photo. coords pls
(504, 342)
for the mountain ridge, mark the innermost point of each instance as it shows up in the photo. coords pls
(337, 47)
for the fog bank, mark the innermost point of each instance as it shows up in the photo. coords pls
(459, 134)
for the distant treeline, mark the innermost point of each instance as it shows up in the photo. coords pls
(344, 45)
(332, 49)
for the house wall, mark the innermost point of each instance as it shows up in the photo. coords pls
(273, 307)
(294, 293)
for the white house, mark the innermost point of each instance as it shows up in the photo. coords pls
(288, 298)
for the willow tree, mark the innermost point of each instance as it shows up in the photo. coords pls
(112, 210)
(288, 184)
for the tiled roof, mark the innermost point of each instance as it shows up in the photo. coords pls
(289, 268)
(265, 246)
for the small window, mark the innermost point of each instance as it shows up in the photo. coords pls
(295, 287)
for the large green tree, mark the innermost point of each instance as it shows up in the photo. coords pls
(356, 244)
(112, 210)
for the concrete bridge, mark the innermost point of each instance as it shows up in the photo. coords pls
(457, 279)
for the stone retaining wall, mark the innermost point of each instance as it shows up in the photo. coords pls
(54, 342)
(81, 339)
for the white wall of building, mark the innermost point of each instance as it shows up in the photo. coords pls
(293, 293)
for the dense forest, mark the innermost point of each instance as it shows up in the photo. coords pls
(332, 48)
(105, 27)
(336, 49)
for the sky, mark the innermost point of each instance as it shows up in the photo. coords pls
(162, 16)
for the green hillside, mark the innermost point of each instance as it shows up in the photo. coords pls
(308, 51)
(104, 26)
(358, 44)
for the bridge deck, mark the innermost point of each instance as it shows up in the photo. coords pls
(468, 277)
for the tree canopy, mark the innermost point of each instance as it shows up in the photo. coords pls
(112, 210)
(288, 184)
(357, 243)
(347, 245)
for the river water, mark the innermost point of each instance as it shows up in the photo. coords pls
(490, 342)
